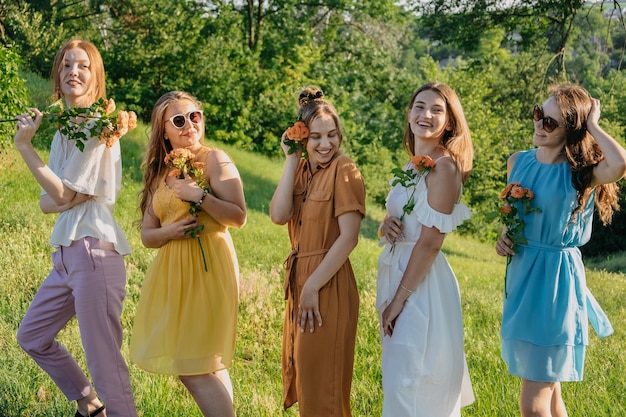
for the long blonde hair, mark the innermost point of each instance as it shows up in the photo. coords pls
(457, 140)
(97, 88)
(153, 165)
(582, 151)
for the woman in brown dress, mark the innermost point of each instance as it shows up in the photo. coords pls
(321, 196)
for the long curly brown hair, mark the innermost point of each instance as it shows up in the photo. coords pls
(583, 152)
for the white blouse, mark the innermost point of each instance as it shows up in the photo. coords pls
(96, 171)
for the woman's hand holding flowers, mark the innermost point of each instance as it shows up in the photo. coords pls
(508, 212)
(293, 140)
(391, 229)
(504, 245)
(186, 178)
(186, 189)
(290, 152)
(27, 126)
(180, 229)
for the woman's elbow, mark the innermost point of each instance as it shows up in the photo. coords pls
(150, 243)
(351, 241)
(45, 208)
(277, 220)
(279, 217)
(241, 220)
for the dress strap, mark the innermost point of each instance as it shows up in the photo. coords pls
(442, 156)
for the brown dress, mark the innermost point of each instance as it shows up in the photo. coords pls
(317, 367)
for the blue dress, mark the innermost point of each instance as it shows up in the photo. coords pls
(548, 305)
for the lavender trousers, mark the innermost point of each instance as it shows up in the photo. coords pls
(88, 280)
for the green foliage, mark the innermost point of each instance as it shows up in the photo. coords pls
(247, 62)
(39, 28)
(13, 93)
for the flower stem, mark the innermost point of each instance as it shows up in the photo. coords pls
(506, 272)
(202, 251)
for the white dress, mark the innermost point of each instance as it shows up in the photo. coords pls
(423, 363)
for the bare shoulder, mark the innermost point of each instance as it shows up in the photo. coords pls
(511, 160)
(446, 166)
(446, 173)
(220, 166)
(217, 155)
(444, 185)
(218, 160)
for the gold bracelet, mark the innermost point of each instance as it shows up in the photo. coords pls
(406, 289)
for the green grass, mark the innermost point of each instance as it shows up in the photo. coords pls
(261, 247)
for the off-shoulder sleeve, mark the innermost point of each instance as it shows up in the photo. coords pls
(349, 188)
(430, 217)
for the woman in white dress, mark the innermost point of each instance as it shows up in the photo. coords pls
(423, 360)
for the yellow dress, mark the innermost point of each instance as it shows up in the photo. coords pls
(186, 318)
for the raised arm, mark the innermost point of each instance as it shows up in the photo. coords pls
(47, 179)
(281, 206)
(613, 167)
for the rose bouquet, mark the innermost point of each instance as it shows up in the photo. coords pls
(296, 138)
(508, 212)
(181, 163)
(97, 119)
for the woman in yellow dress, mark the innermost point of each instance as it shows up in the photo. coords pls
(186, 318)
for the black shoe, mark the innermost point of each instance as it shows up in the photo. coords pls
(95, 413)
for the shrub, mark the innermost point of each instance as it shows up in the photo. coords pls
(13, 93)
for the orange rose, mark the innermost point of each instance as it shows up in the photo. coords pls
(179, 156)
(298, 131)
(507, 190)
(174, 172)
(109, 106)
(115, 136)
(122, 120)
(517, 191)
(132, 120)
(505, 209)
(423, 162)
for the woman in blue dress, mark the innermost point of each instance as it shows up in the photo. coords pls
(548, 305)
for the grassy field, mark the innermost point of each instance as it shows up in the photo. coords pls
(261, 246)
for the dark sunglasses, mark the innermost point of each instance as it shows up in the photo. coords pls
(549, 124)
(180, 120)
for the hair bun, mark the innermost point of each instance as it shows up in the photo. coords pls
(309, 95)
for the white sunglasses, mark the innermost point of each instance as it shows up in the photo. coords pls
(180, 120)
